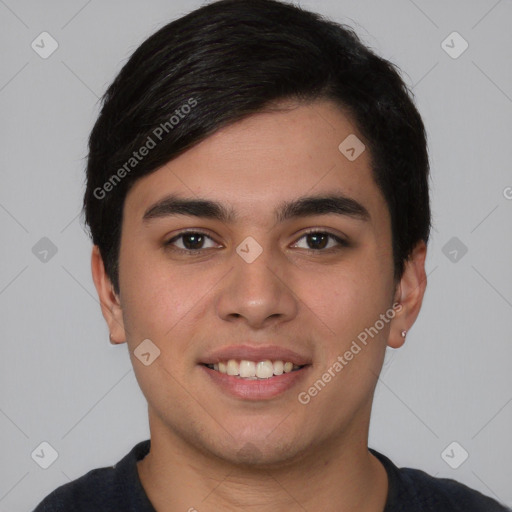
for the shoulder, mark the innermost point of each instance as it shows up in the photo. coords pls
(106, 489)
(445, 493)
(89, 492)
(414, 490)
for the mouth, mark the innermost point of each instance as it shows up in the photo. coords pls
(251, 372)
(254, 370)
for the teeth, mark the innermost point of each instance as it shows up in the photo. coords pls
(264, 369)
(247, 369)
(278, 367)
(254, 370)
(233, 368)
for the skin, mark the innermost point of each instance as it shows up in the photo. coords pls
(211, 451)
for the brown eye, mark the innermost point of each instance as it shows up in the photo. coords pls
(189, 241)
(193, 240)
(319, 241)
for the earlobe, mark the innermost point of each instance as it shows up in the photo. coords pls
(109, 300)
(410, 293)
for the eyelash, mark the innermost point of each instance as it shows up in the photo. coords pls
(342, 243)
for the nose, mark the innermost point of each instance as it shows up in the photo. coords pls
(257, 293)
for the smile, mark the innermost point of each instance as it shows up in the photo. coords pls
(253, 370)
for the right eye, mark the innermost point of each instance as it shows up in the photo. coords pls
(192, 242)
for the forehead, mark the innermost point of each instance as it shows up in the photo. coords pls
(267, 159)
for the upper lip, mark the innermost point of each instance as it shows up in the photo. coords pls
(254, 353)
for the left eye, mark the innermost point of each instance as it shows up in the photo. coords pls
(320, 240)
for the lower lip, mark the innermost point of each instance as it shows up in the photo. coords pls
(257, 389)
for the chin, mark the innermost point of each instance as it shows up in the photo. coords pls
(263, 449)
(263, 457)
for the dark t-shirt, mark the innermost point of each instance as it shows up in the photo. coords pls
(119, 489)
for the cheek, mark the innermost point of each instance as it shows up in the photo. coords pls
(350, 354)
(156, 304)
(346, 304)
(348, 296)
(161, 306)
(163, 301)
(152, 297)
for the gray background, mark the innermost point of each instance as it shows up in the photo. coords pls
(63, 383)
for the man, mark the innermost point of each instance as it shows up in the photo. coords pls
(257, 194)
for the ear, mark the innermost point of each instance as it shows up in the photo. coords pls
(109, 301)
(409, 294)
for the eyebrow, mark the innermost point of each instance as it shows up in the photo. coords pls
(306, 206)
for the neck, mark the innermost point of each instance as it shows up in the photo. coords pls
(343, 476)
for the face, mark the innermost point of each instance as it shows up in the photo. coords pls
(262, 278)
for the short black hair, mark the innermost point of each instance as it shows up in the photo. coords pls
(230, 59)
